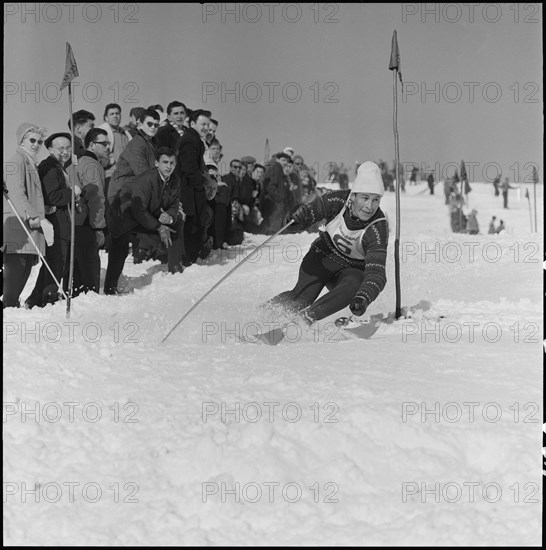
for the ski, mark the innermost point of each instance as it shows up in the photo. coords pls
(348, 327)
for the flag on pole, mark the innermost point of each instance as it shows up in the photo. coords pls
(395, 58)
(70, 69)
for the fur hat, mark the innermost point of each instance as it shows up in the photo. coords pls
(368, 179)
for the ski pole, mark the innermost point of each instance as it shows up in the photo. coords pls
(35, 245)
(225, 277)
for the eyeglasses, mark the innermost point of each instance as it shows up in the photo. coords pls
(105, 143)
(153, 124)
(34, 140)
(298, 163)
(237, 166)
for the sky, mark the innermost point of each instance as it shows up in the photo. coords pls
(311, 76)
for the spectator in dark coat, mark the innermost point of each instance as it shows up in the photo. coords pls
(54, 175)
(169, 134)
(148, 207)
(276, 194)
(139, 155)
(192, 174)
(233, 181)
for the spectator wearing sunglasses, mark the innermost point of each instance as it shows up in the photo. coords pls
(90, 220)
(22, 181)
(138, 156)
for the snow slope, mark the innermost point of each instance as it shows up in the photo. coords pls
(427, 433)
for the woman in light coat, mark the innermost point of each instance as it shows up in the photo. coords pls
(24, 190)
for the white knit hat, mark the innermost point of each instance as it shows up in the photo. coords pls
(368, 179)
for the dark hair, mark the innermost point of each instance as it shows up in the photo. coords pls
(157, 107)
(211, 167)
(197, 113)
(174, 104)
(92, 135)
(282, 156)
(234, 160)
(136, 112)
(167, 151)
(214, 121)
(111, 106)
(259, 166)
(214, 141)
(81, 117)
(148, 113)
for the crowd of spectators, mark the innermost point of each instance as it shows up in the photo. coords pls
(153, 189)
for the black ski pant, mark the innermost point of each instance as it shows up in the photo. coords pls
(17, 268)
(86, 262)
(319, 270)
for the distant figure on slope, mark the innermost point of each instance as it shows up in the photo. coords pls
(472, 226)
(492, 229)
(430, 181)
(349, 256)
(501, 227)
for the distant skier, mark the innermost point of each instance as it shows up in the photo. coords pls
(348, 258)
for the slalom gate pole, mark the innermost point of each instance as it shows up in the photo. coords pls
(35, 246)
(72, 206)
(225, 277)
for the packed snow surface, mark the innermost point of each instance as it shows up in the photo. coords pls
(427, 433)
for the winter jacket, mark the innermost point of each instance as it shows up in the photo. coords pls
(137, 158)
(191, 170)
(374, 241)
(57, 193)
(91, 179)
(168, 136)
(25, 193)
(140, 204)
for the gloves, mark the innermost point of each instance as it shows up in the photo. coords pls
(47, 228)
(99, 235)
(299, 215)
(358, 305)
(165, 234)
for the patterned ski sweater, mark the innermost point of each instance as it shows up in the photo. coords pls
(374, 240)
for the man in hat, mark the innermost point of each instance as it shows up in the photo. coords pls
(57, 192)
(289, 151)
(349, 256)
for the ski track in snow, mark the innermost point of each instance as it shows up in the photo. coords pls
(352, 438)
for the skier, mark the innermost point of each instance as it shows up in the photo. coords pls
(348, 257)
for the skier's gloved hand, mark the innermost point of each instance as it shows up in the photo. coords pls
(358, 306)
(299, 215)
